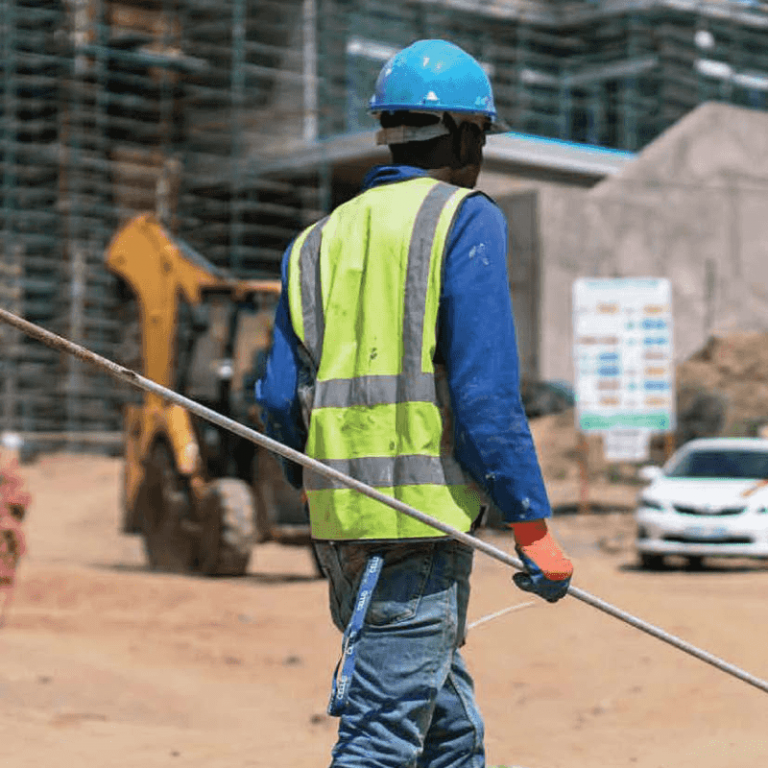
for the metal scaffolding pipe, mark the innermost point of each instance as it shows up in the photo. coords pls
(140, 382)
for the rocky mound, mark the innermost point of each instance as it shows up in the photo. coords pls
(723, 388)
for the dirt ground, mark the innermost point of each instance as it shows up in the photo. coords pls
(105, 664)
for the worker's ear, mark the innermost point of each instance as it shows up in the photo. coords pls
(468, 145)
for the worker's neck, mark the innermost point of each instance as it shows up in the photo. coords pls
(466, 176)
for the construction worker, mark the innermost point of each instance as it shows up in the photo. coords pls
(394, 360)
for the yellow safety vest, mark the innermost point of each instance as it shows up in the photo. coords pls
(363, 290)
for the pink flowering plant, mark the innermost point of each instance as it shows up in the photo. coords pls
(13, 503)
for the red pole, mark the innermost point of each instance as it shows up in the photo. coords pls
(583, 450)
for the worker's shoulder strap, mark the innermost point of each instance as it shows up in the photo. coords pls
(304, 294)
(437, 204)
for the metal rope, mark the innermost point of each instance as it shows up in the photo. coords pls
(135, 380)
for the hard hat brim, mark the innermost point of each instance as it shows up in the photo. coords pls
(498, 126)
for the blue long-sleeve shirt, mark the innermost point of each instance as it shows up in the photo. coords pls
(476, 343)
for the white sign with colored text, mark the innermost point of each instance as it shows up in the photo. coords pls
(622, 349)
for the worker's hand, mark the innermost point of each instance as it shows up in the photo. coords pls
(547, 570)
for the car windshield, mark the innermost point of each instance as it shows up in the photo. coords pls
(714, 463)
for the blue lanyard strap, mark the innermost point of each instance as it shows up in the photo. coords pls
(346, 666)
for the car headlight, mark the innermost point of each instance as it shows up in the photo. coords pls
(649, 503)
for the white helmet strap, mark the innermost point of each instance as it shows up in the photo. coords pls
(403, 134)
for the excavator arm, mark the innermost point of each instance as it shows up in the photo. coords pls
(199, 497)
(159, 271)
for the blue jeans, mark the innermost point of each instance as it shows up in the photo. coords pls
(410, 702)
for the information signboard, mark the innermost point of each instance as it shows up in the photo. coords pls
(623, 354)
(626, 445)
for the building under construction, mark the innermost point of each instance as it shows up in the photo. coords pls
(202, 110)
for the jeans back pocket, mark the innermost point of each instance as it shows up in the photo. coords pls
(401, 586)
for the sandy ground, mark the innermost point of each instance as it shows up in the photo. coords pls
(105, 664)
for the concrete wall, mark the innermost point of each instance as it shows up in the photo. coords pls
(692, 207)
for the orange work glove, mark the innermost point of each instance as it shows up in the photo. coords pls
(547, 570)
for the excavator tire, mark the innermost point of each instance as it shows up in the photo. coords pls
(229, 528)
(165, 508)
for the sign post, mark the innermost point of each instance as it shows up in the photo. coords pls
(624, 369)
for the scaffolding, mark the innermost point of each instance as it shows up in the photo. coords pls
(115, 107)
(614, 73)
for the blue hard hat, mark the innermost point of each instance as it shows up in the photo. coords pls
(433, 76)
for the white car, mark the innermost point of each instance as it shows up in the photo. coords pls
(709, 500)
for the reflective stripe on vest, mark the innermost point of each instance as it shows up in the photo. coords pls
(363, 292)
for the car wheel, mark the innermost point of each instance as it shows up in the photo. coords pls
(695, 562)
(650, 562)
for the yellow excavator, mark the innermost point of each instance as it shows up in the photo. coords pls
(200, 496)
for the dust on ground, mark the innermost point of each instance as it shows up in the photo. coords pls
(106, 664)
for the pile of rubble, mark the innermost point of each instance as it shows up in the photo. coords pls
(723, 388)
